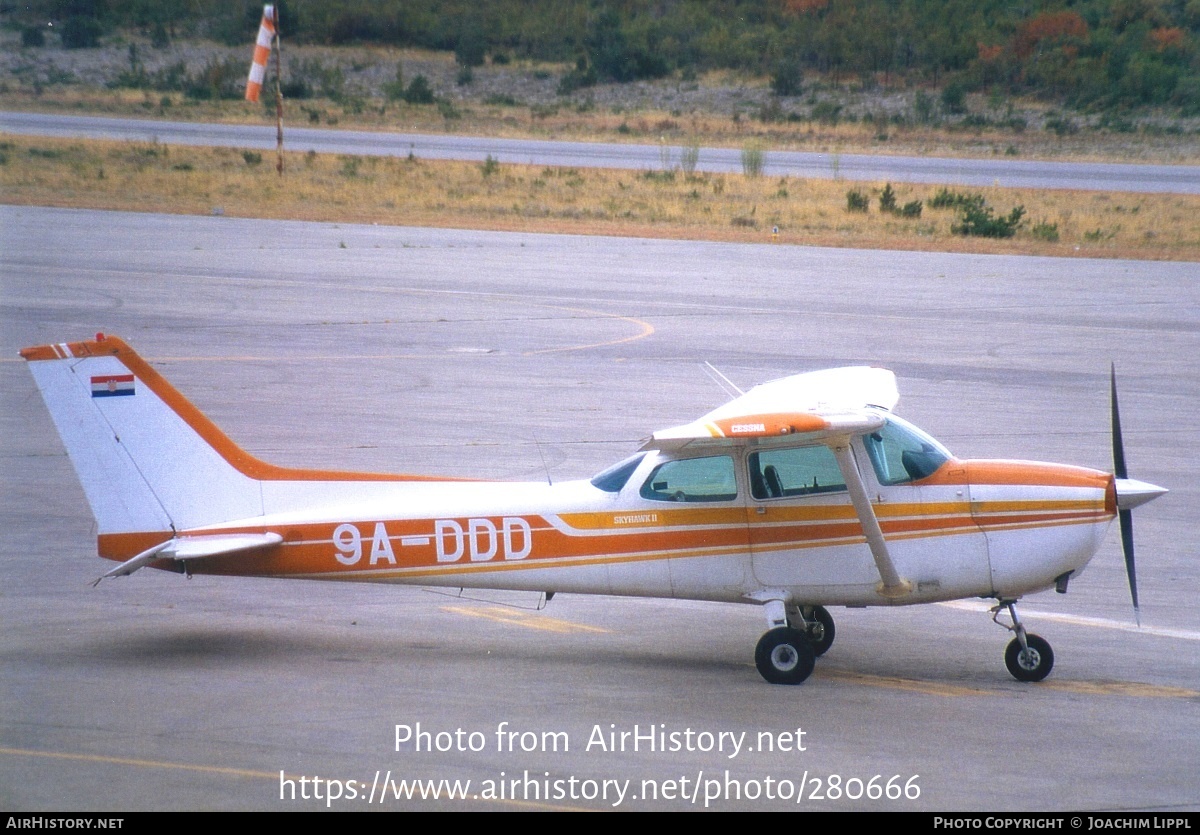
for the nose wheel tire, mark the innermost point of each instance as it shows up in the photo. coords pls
(1032, 664)
(785, 656)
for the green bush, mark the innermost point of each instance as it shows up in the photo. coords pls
(1061, 126)
(978, 219)
(471, 48)
(33, 36)
(827, 112)
(887, 200)
(218, 80)
(888, 204)
(617, 52)
(946, 199)
(857, 201)
(394, 89)
(80, 33)
(667, 176)
(1044, 231)
(787, 77)
(419, 91)
(954, 96)
(924, 111)
(582, 76)
(159, 37)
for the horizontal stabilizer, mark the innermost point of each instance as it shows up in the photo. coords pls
(195, 548)
(199, 547)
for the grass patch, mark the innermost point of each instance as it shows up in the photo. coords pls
(383, 190)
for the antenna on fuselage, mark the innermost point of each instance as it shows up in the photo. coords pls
(542, 455)
(721, 380)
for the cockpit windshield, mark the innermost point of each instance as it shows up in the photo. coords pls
(900, 452)
(614, 478)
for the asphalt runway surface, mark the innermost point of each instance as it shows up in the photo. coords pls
(1010, 173)
(519, 356)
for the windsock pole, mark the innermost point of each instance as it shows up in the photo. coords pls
(268, 36)
(278, 94)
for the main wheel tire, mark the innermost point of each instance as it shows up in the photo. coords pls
(1032, 664)
(820, 630)
(784, 656)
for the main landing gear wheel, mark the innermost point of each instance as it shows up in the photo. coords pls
(1032, 663)
(785, 656)
(820, 630)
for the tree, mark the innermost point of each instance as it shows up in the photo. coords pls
(419, 91)
(80, 32)
(787, 77)
(472, 45)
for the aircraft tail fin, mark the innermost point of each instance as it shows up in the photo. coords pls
(147, 458)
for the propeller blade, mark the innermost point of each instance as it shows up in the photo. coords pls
(1126, 520)
(1118, 445)
(1125, 516)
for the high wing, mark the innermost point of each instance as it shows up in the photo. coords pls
(825, 407)
(828, 404)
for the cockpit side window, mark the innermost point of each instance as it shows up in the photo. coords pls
(709, 479)
(615, 477)
(901, 453)
(799, 471)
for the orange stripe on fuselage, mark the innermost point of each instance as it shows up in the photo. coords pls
(411, 545)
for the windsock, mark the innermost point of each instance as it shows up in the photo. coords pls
(262, 51)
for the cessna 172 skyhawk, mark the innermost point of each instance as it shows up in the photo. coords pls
(802, 493)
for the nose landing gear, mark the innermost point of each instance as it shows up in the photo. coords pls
(1028, 657)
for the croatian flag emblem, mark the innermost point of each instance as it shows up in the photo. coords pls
(113, 385)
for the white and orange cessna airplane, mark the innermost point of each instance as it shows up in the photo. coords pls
(802, 493)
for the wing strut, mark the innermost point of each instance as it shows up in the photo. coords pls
(892, 585)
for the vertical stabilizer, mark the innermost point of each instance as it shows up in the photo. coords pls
(147, 459)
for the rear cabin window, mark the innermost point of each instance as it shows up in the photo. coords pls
(692, 480)
(800, 471)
